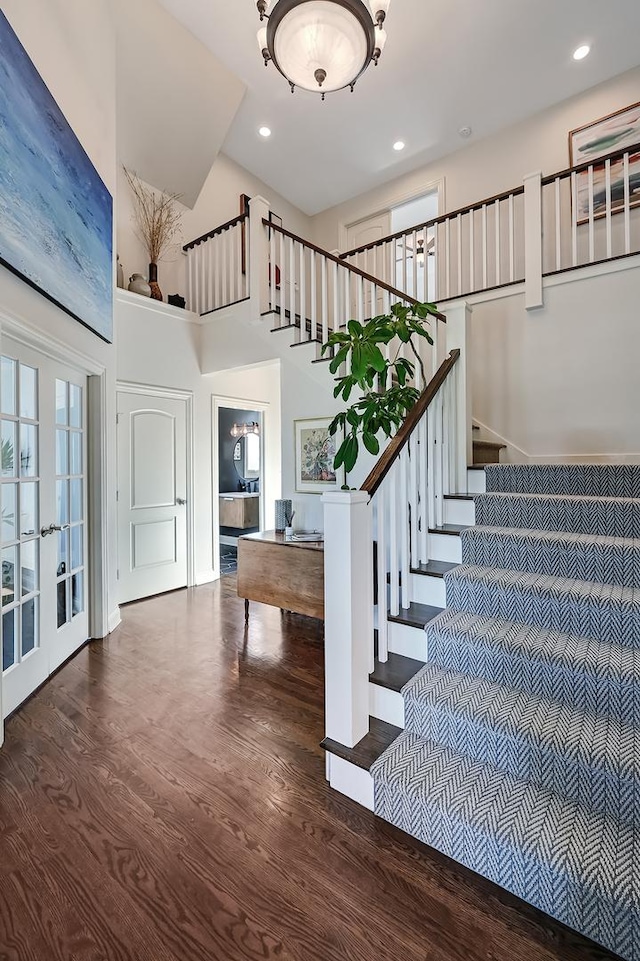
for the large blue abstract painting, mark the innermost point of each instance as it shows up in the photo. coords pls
(55, 211)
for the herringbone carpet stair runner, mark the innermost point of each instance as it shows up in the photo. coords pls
(521, 755)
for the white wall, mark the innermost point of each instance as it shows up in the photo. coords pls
(492, 165)
(72, 44)
(562, 382)
(219, 201)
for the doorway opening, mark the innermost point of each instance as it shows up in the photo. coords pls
(240, 468)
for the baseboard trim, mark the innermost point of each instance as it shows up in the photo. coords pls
(114, 620)
(206, 577)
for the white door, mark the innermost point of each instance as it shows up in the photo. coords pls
(152, 492)
(44, 531)
(377, 261)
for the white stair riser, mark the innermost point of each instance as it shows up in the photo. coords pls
(445, 547)
(408, 641)
(350, 780)
(428, 590)
(459, 512)
(386, 705)
(476, 482)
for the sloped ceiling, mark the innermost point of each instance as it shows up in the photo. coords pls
(447, 64)
(175, 99)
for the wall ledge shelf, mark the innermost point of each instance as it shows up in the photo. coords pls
(157, 306)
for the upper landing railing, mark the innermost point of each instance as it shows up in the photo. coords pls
(218, 267)
(579, 216)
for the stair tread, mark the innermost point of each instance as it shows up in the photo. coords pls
(525, 497)
(434, 568)
(460, 497)
(381, 735)
(569, 537)
(395, 672)
(548, 583)
(594, 479)
(523, 721)
(453, 529)
(416, 615)
(496, 824)
(489, 445)
(542, 645)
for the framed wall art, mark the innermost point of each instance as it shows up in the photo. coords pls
(595, 141)
(315, 450)
(56, 214)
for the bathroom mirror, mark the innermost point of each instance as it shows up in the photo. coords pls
(246, 458)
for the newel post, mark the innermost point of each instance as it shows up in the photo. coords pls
(458, 316)
(533, 241)
(348, 614)
(258, 258)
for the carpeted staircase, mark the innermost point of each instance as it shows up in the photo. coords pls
(521, 751)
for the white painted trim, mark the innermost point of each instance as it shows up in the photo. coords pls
(128, 298)
(115, 620)
(20, 330)
(396, 199)
(350, 780)
(207, 577)
(234, 403)
(98, 495)
(169, 393)
(386, 705)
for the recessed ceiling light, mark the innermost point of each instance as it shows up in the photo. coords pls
(264, 131)
(582, 52)
(399, 145)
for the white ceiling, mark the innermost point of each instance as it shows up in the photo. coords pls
(447, 64)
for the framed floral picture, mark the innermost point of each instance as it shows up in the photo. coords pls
(315, 451)
(595, 141)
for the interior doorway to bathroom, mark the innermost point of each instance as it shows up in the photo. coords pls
(240, 475)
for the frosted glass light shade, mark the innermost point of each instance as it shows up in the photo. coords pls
(322, 35)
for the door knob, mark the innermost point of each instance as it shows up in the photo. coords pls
(180, 501)
(45, 531)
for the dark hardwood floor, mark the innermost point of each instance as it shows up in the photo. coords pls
(163, 797)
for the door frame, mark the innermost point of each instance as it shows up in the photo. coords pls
(233, 403)
(169, 393)
(395, 199)
(101, 620)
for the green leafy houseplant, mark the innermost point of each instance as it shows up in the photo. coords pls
(383, 383)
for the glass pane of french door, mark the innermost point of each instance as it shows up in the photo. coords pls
(43, 528)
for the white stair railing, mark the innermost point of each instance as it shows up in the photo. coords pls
(314, 293)
(218, 267)
(398, 504)
(586, 214)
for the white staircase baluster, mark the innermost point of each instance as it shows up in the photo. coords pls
(574, 220)
(325, 301)
(273, 267)
(446, 458)
(403, 507)
(414, 508)
(459, 224)
(394, 574)
(447, 256)
(218, 271)
(303, 287)
(512, 240)
(558, 213)
(472, 251)
(484, 247)
(382, 521)
(607, 177)
(313, 271)
(209, 248)
(360, 296)
(335, 274)
(592, 238)
(423, 491)
(627, 219)
(298, 334)
(496, 208)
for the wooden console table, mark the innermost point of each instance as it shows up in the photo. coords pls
(287, 574)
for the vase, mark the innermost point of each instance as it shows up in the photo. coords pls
(156, 293)
(138, 285)
(119, 274)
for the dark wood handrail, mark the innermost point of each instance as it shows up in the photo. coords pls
(216, 230)
(614, 155)
(350, 267)
(436, 220)
(392, 452)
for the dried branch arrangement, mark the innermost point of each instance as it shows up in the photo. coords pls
(158, 217)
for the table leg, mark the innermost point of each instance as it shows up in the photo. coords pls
(246, 610)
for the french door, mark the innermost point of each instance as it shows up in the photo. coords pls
(43, 498)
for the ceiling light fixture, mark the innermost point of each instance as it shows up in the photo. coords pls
(582, 52)
(264, 132)
(399, 145)
(322, 45)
